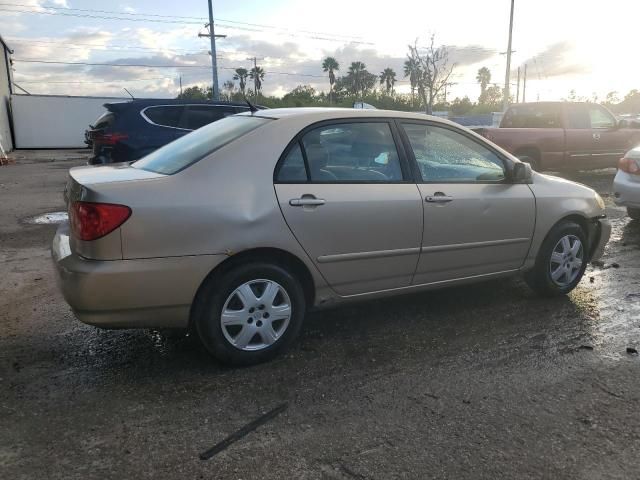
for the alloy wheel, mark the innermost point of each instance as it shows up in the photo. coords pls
(255, 315)
(566, 260)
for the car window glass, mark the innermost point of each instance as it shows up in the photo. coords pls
(577, 116)
(292, 169)
(444, 155)
(532, 116)
(167, 116)
(201, 115)
(600, 118)
(352, 152)
(196, 145)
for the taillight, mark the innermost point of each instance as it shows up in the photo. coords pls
(90, 221)
(109, 138)
(629, 165)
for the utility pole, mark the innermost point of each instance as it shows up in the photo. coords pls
(180, 84)
(524, 85)
(215, 92)
(505, 102)
(518, 88)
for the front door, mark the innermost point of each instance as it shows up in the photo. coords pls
(345, 193)
(475, 222)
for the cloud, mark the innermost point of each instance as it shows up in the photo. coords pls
(554, 61)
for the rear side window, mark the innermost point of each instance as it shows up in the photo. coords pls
(165, 116)
(578, 116)
(292, 169)
(201, 115)
(187, 150)
(532, 116)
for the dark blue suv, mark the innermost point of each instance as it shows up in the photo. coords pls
(130, 130)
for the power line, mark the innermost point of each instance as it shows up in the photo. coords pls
(143, 65)
(102, 11)
(234, 24)
(101, 17)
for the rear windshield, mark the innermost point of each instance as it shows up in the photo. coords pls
(196, 145)
(532, 116)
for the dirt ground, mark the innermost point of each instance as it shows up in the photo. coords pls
(486, 381)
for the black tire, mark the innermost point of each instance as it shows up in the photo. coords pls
(535, 165)
(634, 213)
(539, 278)
(215, 293)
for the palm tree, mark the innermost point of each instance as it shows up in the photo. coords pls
(356, 74)
(330, 65)
(412, 70)
(257, 75)
(483, 78)
(241, 75)
(388, 79)
(229, 86)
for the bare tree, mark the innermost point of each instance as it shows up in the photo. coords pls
(434, 71)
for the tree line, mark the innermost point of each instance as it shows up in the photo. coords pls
(427, 70)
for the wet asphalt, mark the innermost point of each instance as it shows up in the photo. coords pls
(482, 381)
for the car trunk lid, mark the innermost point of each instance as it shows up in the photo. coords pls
(96, 185)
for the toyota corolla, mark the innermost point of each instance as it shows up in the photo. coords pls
(238, 229)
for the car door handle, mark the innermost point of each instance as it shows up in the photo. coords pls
(596, 136)
(438, 199)
(306, 201)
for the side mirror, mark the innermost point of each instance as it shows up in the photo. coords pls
(521, 172)
(623, 123)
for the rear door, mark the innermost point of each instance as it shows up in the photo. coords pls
(579, 138)
(346, 193)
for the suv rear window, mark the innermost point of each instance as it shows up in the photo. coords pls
(532, 116)
(166, 116)
(187, 150)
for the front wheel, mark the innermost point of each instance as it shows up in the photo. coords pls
(561, 261)
(634, 213)
(249, 314)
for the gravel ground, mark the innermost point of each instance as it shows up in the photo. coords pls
(484, 381)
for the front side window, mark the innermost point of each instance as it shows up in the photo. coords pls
(194, 146)
(444, 155)
(600, 118)
(165, 116)
(352, 153)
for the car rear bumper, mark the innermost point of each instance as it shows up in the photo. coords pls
(140, 293)
(626, 189)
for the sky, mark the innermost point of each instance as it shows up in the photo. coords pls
(566, 45)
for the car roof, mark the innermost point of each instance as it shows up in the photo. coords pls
(145, 102)
(312, 114)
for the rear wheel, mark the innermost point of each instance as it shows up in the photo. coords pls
(561, 261)
(633, 213)
(249, 314)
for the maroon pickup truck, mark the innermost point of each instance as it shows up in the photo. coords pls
(564, 135)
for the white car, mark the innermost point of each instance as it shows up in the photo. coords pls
(626, 184)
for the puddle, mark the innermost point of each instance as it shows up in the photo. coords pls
(47, 218)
